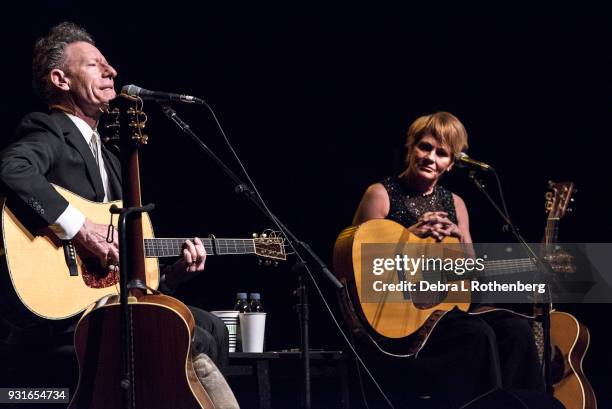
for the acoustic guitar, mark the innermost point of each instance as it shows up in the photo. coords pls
(401, 314)
(569, 338)
(50, 279)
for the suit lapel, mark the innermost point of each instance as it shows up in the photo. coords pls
(76, 139)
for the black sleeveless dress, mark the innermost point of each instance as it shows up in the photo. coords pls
(465, 355)
(406, 207)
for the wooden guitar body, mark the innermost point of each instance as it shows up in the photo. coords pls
(571, 341)
(37, 279)
(162, 372)
(42, 277)
(568, 337)
(385, 318)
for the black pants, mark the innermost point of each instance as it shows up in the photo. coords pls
(211, 337)
(467, 356)
(518, 355)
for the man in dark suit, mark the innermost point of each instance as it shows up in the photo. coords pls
(63, 147)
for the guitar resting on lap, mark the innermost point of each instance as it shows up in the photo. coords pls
(46, 278)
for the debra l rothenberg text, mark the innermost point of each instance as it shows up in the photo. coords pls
(460, 286)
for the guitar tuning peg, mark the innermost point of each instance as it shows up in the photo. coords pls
(267, 263)
(569, 209)
(264, 235)
(259, 262)
(572, 200)
(275, 263)
(255, 235)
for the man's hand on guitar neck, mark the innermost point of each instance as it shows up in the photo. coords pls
(193, 261)
(92, 236)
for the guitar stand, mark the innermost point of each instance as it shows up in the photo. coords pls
(124, 286)
(543, 270)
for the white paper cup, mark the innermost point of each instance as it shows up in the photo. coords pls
(252, 329)
(226, 314)
(230, 319)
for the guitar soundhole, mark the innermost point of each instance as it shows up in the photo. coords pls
(431, 296)
(424, 300)
(95, 276)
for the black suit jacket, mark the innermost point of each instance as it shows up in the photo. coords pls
(50, 149)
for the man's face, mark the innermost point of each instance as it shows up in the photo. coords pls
(89, 76)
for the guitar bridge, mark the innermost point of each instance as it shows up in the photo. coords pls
(70, 256)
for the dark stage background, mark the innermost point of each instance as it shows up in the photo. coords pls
(317, 99)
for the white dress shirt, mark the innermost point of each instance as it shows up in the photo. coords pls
(71, 220)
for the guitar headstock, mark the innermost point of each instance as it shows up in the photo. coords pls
(127, 113)
(559, 198)
(270, 245)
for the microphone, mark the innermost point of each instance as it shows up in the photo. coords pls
(136, 91)
(464, 160)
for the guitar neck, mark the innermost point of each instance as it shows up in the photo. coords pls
(160, 247)
(504, 267)
(551, 232)
(496, 268)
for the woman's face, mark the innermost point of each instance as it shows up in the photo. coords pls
(429, 159)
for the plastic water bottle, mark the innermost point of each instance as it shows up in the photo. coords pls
(241, 303)
(241, 306)
(256, 305)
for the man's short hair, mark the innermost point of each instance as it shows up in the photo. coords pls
(49, 54)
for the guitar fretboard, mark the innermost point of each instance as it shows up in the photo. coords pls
(502, 267)
(551, 232)
(495, 268)
(160, 247)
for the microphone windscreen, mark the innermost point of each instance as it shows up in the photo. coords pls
(131, 90)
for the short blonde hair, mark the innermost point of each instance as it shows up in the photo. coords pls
(443, 126)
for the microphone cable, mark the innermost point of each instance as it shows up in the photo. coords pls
(298, 255)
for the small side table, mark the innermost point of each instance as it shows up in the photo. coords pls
(323, 364)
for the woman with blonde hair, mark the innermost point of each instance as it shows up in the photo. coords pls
(414, 198)
(465, 355)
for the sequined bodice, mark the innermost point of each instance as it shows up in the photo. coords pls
(406, 207)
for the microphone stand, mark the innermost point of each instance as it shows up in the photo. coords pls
(543, 270)
(301, 267)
